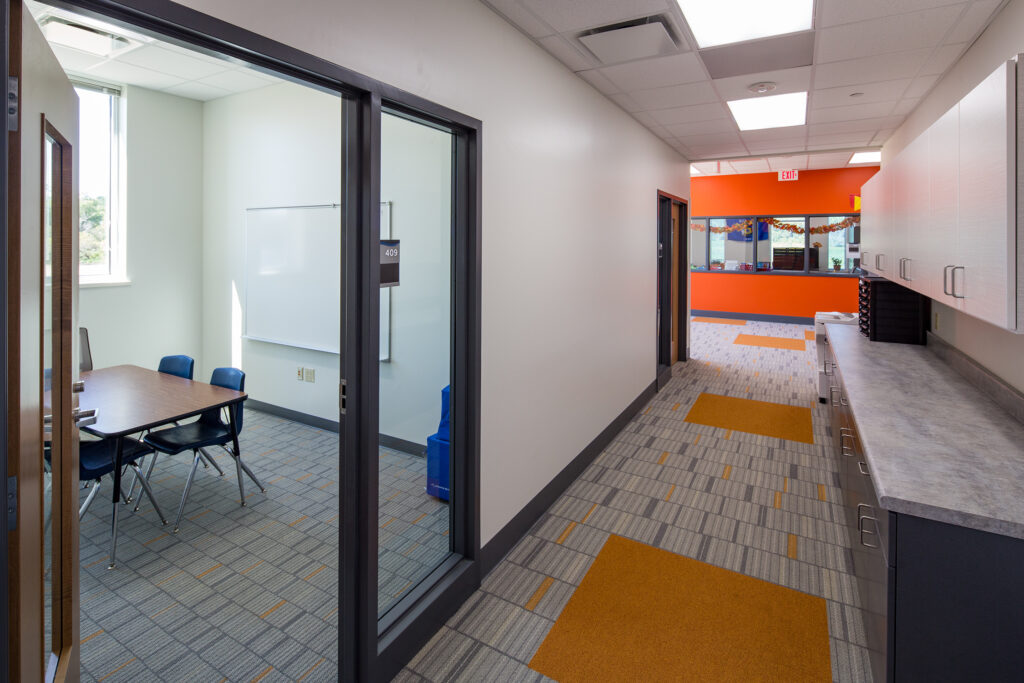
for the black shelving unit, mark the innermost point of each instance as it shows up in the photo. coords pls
(892, 313)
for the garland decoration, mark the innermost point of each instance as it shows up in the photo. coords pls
(747, 226)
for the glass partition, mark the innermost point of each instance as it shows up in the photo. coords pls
(831, 237)
(698, 243)
(732, 244)
(780, 243)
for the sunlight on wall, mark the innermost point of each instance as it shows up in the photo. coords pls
(236, 328)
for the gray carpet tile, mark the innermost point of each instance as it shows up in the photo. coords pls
(242, 593)
(662, 481)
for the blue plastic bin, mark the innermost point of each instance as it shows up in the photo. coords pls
(438, 449)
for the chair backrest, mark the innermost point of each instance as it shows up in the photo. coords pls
(85, 362)
(179, 366)
(229, 378)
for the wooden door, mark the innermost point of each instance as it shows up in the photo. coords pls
(42, 365)
(676, 265)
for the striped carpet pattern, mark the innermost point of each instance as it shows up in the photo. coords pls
(762, 506)
(239, 594)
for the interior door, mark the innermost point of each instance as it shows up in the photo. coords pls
(43, 549)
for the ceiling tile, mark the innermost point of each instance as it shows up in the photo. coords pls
(905, 106)
(675, 96)
(645, 119)
(841, 139)
(626, 102)
(630, 43)
(772, 54)
(519, 16)
(75, 60)
(785, 80)
(576, 15)
(750, 166)
(713, 151)
(197, 91)
(697, 112)
(777, 147)
(856, 125)
(856, 111)
(567, 53)
(890, 34)
(974, 20)
(942, 59)
(598, 80)
(774, 134)
(829, 147)
(798, 162)
(881, 137)
(921, 86)
(710, 139)
(886, 91)
(708, 167)
(237, 80)
(870, 69)
(116, 72)
(657, 72)
(834, 12)
(723, 125)
(173, 63)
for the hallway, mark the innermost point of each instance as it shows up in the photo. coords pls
(762, 506)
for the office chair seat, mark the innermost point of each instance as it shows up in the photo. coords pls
(189, 437)
(96, 458)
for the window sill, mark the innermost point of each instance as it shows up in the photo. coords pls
(780, 273)
(108, 282)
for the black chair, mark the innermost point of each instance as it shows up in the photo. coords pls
(85, 351)
(209, 430)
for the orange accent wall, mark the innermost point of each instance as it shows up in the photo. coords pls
(772, 294)
(761, 194)
(752, 194)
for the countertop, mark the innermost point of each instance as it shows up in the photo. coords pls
(936, 447)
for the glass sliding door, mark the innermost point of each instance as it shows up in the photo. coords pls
(415, 367)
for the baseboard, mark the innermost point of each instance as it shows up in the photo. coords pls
(1008, 398)
(756, 317)
(410, 447)
(495, 549)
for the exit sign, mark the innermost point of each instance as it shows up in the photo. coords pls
(789, 175)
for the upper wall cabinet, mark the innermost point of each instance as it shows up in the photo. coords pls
(940, 218)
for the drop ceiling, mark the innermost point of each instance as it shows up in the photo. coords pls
(152, 64)
(865, 65)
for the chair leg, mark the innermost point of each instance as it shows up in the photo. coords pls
(188, 485)
(113, 535)
(251, 475)
(241, 484)
(149, 473)
(207, 458)
(131, 491)
(149, 492)
(94, 489)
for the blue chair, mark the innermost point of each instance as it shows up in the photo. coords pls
(180, 366)
(209, 430)
(96, 460)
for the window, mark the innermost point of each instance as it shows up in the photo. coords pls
(101, 244)
(784, 244)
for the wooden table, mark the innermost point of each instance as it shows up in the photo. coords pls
(129, 399)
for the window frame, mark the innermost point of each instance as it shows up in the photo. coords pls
(116, 270)
(805, 272)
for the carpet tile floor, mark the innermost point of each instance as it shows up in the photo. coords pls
(759, 505)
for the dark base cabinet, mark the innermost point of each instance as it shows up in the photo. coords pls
(940, 602)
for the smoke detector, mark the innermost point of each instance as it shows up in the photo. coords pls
(761, 88)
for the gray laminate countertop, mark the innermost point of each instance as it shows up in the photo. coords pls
(935, 446)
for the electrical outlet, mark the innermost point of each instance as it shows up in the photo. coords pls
(310, 375)
(300, 371)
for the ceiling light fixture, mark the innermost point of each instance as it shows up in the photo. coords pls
(774, 111)
(761, 88)
(866, 158)
(732, 21)
(84, 38)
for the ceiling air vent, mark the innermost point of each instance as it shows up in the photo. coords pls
(631, 40)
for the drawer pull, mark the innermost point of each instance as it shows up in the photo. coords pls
(832, 395)
(863, 468)
(843, 433)
(874, 533)
(828, 367)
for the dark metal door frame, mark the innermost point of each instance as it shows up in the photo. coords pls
(365, 654)
(666, 202)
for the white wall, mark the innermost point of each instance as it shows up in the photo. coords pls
(416, 177)
(569, 219)
(160, 312)
(275, 146)
(995, 348)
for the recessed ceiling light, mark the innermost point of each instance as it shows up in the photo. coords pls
(694, 170)
(84, 38)
(866, 158)
(774, 111)
(720, 22)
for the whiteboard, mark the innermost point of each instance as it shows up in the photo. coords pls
(293, 276)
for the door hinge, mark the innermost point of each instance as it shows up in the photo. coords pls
(12, 503)
(342, 395)
(12, 103)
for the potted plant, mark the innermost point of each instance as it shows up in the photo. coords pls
(837, 263)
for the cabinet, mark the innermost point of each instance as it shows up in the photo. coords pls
(940, 602)
(940, 217)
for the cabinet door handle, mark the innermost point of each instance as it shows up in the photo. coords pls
(832, 395)
(952, 281)
(846, 450)
(863, 468)
(945, 277)
(863, 530)
(828, 367)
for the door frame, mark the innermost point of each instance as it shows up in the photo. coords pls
(365, 653)
(665, 266)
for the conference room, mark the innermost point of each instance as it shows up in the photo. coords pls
(209, 305)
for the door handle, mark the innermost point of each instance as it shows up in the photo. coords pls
(78, 387)
(84, 418)
(952, 281)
